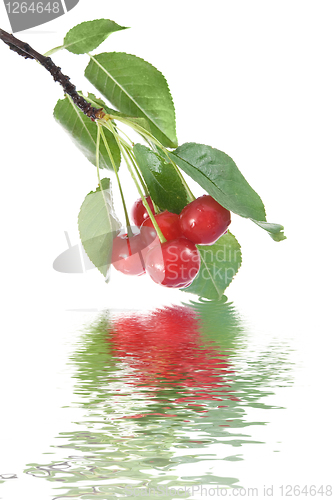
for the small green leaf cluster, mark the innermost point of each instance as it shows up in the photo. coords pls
(137, 95)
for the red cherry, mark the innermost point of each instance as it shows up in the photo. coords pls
(168, 223)
(128, 254)
(139, 212)
(174, 263)
(204, 220)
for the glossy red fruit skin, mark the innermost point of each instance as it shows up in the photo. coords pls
(204, 220)
(168, 223)
(173, 264)
(128, 254)
(139, 212)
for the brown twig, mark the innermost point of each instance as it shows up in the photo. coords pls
(24, 50)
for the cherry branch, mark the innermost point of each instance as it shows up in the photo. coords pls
(24, 50)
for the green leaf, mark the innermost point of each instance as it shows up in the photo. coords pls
(136, 88)
(274, 230)
(217, 173)
(98, 225)
(89, 35)
(162, 179)
(83, 132)
(219, 264)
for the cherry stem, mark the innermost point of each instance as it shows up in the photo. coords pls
(191, 196)
(125, 153)
(127, 221)
(132, 159)
(97, 155)
(154, 145)
(152, 142)
(146, 205)
(98, 169)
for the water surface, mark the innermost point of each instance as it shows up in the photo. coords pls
(172, 399)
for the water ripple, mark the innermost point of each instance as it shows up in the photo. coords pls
(163, 391)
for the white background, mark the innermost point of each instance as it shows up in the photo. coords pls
(253, 79)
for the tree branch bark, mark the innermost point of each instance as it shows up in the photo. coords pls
(24, 50)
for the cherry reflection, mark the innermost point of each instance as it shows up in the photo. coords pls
(166, 348)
